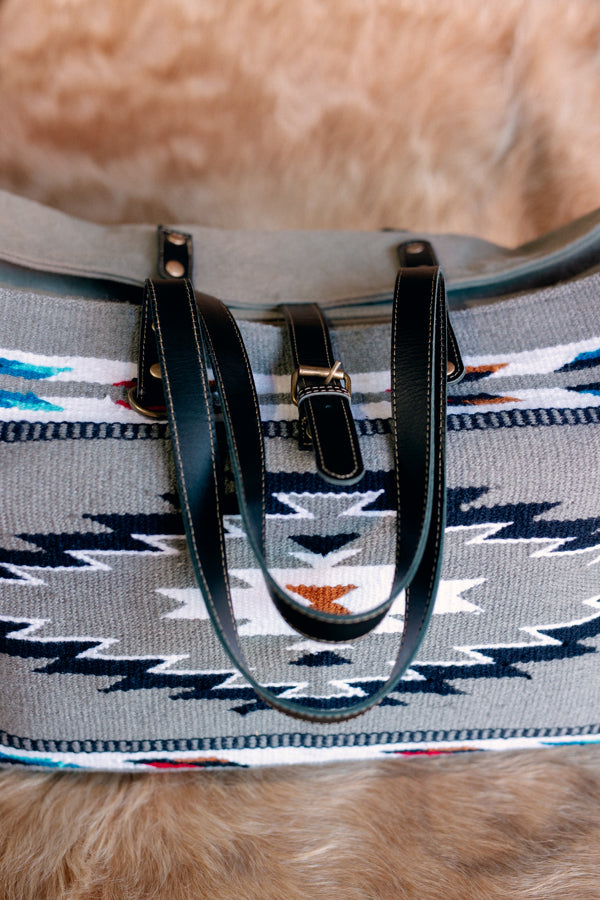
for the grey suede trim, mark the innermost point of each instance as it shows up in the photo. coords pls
(255, 271)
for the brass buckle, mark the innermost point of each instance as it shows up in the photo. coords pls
(144, 411)
(335, 371)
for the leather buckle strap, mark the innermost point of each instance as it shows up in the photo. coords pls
(320, 388)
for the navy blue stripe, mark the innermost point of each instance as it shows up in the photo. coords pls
(298, 739)
(16, 432)
(521, 418)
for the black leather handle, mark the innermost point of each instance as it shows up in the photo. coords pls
(190, 338)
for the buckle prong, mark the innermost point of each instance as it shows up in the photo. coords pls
(328, 374)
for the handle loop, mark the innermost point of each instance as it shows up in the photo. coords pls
(195, 333)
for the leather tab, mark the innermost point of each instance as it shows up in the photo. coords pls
(416, 253)
(174, 264)
(321, 390)
(175, 257)
(421, 253)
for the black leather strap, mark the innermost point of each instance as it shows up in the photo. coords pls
(191, 338)
(324, 412)
(175, 261)
(421, 253)
(225, 354)
(147, 395)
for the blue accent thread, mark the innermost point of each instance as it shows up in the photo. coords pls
(13, 400)
(586, 388)
(28, 371)
(13, 760)
(583, 361)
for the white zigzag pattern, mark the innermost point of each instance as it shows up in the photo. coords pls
(544, 360)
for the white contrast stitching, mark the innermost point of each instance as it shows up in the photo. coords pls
(207, 398)
(435, 285)
(176, 439)
(143, 339)
(428, 431)
(257, 411)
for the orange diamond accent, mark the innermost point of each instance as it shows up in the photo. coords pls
(486, 401)
(323, 598)
(488, 369)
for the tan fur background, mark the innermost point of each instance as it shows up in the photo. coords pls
(508, 827)
(469, 116)
(465, 116)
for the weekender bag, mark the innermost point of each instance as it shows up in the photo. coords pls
(295, 496)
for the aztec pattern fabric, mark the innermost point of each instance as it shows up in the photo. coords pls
(107, 657)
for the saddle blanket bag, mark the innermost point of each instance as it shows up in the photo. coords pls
(364, 479)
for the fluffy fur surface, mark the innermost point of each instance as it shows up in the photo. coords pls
(467, 116)
(508, 827)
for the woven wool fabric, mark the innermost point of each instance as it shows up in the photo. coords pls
(108, 659)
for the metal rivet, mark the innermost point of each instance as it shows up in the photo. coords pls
(155, 370)
(174, 268)
(177, 239)
(416, 247)
(450, 368)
